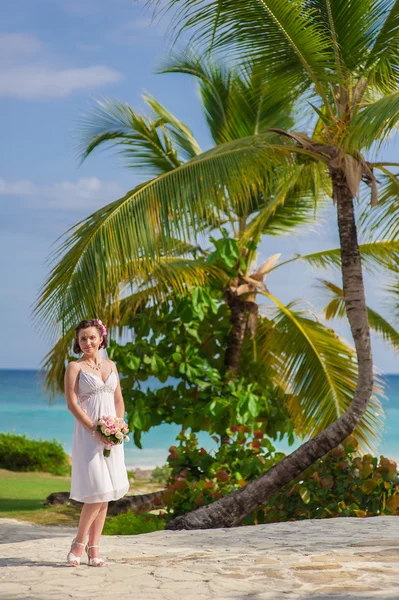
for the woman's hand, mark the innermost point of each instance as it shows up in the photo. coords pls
(97, 436)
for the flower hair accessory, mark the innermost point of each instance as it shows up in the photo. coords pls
(103, 328)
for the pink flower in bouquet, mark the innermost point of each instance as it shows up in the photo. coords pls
(113, 429)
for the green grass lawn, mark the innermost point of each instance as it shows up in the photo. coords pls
(28, 491)
(22, 496)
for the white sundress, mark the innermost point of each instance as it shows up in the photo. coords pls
(95, 477)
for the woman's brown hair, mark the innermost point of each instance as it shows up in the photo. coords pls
(84, 325)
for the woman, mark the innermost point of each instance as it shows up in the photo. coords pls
(93, 390)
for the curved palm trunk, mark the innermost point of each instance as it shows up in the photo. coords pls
(230, 510)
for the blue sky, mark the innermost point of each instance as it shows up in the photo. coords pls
(56, 57)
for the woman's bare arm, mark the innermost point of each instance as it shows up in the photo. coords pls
(118, 398)
(71, 395)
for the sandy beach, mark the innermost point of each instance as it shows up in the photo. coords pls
(339, 558)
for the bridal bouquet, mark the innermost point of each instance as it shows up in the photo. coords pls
(114, 430)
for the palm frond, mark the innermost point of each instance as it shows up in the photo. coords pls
(383, 219)
(336, 309)
(285, 38)
(381, 253)
(138, 139)
(237, 102)
(179, 132)
(163, 278)
(393, 290)
(375, 122)
(319, 372)
(215, 87)
(351, 28)
(294, 203)
(382, 64)
(54, 363)
(114, 243)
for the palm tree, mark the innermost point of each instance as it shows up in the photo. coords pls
(341, 58)
(235, 102)
(119, 238)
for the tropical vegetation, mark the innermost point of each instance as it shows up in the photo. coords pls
(340, 484)
(340, 62)
(19, 453)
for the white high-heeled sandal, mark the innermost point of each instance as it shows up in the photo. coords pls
(94, 562)
(71, 557)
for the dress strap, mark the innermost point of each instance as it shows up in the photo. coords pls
(108, 360)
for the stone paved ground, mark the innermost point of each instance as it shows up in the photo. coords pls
(332, 559)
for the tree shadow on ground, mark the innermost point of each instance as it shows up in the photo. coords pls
(26, 532)
(24, 562)
(17, 505)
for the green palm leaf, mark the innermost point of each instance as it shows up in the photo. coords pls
(374, 255)
(215, 88)
(178, 131)
(336, 309)
(53, 365)
(140, 140)
(319, 372)
(375, 122)
(351, 27)
(114, 243)
(284, 36)
(381, 68)
(237, 103)
(393, 290)
(345, 50)
(383, 220)
(295, 202)
(162, 278)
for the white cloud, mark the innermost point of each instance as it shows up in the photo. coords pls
(43, 83)
(85, 195)
(19, 44)
(28, 71)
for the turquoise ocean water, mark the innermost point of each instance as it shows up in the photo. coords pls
(24, 409)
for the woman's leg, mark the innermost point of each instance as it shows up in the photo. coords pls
(96, 530)
(87, 517)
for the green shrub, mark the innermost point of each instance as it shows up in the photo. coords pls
(18, 453)
(340, 484)
(131, 524)
(161, 474)
(199, 478)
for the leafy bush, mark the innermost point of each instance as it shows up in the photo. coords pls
(341, 484)
(131, 524)
(180, 345)
(18, 453)
(338, 485)
(198, 477)
(161, 474)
